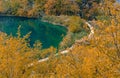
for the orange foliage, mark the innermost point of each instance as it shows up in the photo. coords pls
(99, 59)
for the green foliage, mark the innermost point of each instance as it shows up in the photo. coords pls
(67, 41)
(103, 18)
(73, 23)
(18, 32)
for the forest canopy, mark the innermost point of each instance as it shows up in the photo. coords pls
(36, 8)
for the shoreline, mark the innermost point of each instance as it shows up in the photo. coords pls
(6, 15)
(33, 18)
(54, 23)
(89, 36)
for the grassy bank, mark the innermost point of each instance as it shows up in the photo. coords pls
(75, 25)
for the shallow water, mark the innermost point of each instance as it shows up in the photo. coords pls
(48, 34)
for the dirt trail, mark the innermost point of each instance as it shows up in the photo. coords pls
(68, 50)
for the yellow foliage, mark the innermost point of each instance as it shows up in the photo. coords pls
(100, 59)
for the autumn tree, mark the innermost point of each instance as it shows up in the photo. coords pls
(88, 8)
(100, 59)
(1, 8)
(16, 55)
(37, 8)
(60, 7)
(12, 53)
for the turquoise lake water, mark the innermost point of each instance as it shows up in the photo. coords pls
(48, 34)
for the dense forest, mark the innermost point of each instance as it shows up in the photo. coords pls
(36, 8)
(94, 55)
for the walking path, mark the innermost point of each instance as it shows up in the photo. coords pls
(68, 50)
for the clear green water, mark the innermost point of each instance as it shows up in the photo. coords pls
(48, 34)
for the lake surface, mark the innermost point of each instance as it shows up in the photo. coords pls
(48, 34)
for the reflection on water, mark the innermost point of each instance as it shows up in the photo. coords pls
(48, 34)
